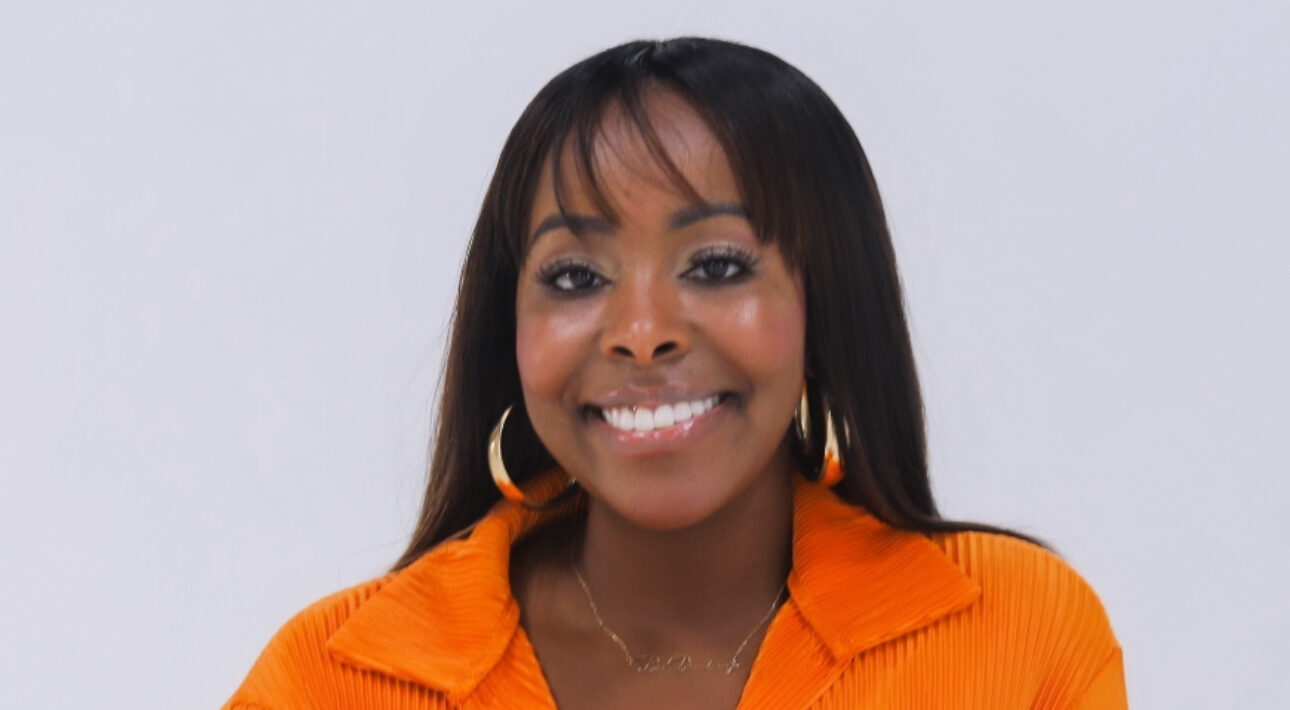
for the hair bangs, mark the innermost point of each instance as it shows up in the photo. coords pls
(585, 137)
(774, 220)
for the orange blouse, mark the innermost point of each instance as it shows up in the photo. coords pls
(876, 618)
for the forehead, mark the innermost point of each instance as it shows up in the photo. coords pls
(628, 161)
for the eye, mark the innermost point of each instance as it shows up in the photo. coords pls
(570, 277)
(720, 264)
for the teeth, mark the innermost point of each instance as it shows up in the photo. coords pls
(643, 419)
(682, 411)
(664, 417)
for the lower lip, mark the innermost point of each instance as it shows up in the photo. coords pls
(660, 441)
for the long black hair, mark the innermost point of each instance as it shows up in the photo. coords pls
(807, 186)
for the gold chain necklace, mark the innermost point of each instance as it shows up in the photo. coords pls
(677, 663)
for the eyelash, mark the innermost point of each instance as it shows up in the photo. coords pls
(742, 259)
(551, 274)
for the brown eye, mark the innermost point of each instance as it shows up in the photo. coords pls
(719, 269)
(720, 264)
(567, 277)
(576, 280)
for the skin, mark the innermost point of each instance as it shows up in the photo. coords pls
(687, 535)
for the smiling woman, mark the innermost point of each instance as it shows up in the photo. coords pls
(626, 319)
(680, 349)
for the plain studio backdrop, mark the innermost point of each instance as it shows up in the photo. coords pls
(232, 233)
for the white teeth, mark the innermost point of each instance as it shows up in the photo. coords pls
(644, 419)
(682, 411)
(663, 417)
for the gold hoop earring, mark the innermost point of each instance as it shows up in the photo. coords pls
(502, 479)
(802, 418)
(831, 470)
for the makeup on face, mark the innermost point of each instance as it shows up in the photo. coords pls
(660, 349)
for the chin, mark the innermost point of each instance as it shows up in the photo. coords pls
(664, 519)
(667, 505)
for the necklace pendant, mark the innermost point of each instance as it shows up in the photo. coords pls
(647, 664)
(728, 667)
(680, 664)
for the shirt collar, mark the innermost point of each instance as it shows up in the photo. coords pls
(446, 620)
(859, 582)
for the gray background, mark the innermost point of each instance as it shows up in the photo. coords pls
(231, 235)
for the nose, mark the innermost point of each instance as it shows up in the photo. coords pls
(644, 325)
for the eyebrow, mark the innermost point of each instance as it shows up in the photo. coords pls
(680, 219)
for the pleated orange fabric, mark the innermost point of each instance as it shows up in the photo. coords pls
(876, 618)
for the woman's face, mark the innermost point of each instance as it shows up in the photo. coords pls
(661, 357)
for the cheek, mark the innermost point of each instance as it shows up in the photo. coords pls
(766, 336)
(549, 350)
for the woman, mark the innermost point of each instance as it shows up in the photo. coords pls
(681, 352)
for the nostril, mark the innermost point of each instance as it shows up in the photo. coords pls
(664, 349)
(645, 354)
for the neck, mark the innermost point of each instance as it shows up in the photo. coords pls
(712, 579)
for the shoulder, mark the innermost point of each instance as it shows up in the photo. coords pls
(1022, 575)
(296, 660)
(1038, 609)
